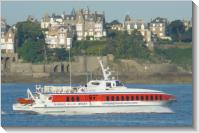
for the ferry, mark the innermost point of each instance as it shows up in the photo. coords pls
(106, 95)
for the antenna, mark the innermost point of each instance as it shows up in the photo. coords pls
(70, 67)
(105, 71)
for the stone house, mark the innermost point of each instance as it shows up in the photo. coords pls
(87, 24)
(59, 37)
(158, 27)
(137, 24)
(8, 41)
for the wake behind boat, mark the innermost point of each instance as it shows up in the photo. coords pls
(97, 96)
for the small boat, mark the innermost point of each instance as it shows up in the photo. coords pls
(24, 101)
(107, 95)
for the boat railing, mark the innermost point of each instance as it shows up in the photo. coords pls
(59, 89)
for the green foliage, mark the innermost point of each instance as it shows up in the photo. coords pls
(32, 51)
(187, 36)
(120, 44)
(88, 47)
(28, 30)
(180, 56)
(123, 45)
(176, 30)
(58, 54)
(163, 41)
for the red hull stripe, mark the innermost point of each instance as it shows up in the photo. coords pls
(110, 97)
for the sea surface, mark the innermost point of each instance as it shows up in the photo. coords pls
(182, 108)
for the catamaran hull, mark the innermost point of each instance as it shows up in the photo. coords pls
(92, 110)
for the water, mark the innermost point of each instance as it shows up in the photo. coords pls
(181, 117)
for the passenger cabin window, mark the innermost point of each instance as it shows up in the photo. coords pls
(142, 98)
(77, 98)
(132, 98)
(137, 98)
(151, 98)
(107, 98)
(67, 99)
(147, 98)
(118, 83)
(127, 98)
(72, 99)
(156, 97)
(112, 98)
(108, 84)
(117, 98)
(122, 98)
(160, 97)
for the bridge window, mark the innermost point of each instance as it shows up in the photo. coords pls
(118, 83)
(117, 98)
(108, 84)
(127, 98)
(132, 98)
(95, 83)
(122, 98)
(112, 98)
(107, 98)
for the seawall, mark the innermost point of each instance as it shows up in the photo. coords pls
(84, 68)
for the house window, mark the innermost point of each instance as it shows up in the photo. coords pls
(107, 98)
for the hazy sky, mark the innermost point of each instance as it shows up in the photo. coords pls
(14, 11)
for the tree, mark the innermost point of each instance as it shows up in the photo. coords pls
(32, 51)
(28, 30)
(187, 36)
(31, 43)
(176, 29)
(61, 54)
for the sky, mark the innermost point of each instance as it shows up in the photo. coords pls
(15, 11)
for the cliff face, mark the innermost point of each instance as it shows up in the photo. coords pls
(86, 67)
